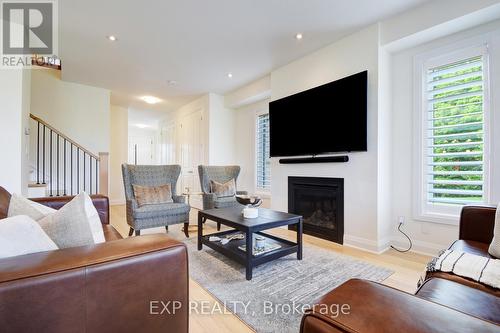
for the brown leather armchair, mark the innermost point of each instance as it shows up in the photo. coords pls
(375, 308)
(108, 287)
(475, 235)
(444, 303)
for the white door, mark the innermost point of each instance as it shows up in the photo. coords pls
(167, 144)
(140, 150)
(191, 154)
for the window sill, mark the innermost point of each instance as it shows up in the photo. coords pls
(438, 218)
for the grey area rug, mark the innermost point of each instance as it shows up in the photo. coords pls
(281, 284)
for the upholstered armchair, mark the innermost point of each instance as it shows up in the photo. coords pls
(220, 174)
(154, 215)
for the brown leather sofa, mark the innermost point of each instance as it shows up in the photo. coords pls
(475, 235)
(110, 287)
(444, 303)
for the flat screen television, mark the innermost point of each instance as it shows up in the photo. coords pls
(327, 119)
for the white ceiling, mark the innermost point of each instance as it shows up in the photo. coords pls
(197, 42)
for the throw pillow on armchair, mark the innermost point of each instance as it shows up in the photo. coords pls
(227, 189)
(150, 195)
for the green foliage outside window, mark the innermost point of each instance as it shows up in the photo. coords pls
(457, 130)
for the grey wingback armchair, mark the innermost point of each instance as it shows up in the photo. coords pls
(157, 215)
(219, 174)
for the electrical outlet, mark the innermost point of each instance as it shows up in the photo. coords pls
(401, 219)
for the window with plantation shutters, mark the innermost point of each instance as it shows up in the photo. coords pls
(262, 152)
(454, 147)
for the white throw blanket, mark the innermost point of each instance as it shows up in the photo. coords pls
(477, 268)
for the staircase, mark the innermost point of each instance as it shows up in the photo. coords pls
(61, 167)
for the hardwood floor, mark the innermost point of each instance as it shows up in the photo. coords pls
(407, 267)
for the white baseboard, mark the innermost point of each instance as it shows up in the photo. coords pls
(384, 245)
(365, 244)
(420, 247)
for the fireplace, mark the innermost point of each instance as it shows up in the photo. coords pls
(321, 202)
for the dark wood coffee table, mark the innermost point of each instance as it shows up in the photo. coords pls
(268, 219)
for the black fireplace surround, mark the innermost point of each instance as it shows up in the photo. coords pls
(321, 202)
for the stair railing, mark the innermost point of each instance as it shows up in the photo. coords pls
(65, 166)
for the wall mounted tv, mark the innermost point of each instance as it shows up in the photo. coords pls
(327, 119)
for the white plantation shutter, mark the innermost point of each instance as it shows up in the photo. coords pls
(262, 151)
(454, 139)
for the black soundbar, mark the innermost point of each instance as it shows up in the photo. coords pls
(321, 159)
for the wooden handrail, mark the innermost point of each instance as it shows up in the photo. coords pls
(43, 122)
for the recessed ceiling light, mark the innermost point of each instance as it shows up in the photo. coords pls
(112, 38)
(172, 82)
(150, 99)
(298, 36)
(229, 75)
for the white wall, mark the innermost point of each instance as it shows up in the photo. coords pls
(244, 134)
(81, 112)
(385, 138)
(15, 97)
(431, 237)
(251, 93)
(350, 55)
(117, 153)
(221, 141)
(26, 131)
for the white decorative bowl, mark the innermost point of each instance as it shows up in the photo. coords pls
(250, 212)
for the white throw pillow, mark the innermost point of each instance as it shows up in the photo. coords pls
(22, 235)
(76, 224)
(494, 248)
(19, 205)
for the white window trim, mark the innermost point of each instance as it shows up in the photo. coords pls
(262, 192)
(479, 45)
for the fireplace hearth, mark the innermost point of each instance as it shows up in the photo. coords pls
(321, 202)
